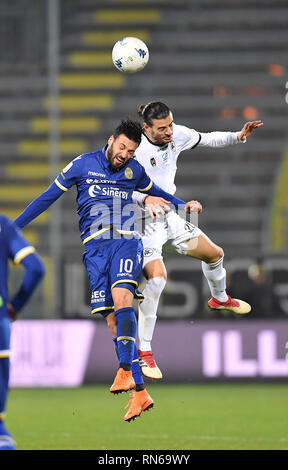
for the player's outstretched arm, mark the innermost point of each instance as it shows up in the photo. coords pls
(226, 139)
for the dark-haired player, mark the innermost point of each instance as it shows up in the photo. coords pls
(161, 145)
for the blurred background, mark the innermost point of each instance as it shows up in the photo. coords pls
(217, 64)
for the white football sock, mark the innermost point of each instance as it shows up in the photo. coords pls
(148, 311)
(215, 274)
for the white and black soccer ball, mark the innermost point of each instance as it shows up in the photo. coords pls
(130, 55)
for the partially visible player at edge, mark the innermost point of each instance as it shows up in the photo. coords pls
(113, 256)
(162, 142)
(13, 246)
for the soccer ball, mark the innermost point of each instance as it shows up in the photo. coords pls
(130, 55)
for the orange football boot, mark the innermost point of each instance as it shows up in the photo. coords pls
(139, 401)
(123, 381)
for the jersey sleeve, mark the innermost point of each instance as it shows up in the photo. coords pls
(144, 182)
(219, 139)
(70, 174)
(185, 138)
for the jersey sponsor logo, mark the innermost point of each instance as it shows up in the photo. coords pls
(97, 296)
(153, 161)
(128, 173)
(96, 181)
(94, 190)
(124, 275)
(149, 251)
(94, 173)
(115, 192)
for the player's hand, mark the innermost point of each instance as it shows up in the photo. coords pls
(248, 128)
(12, 312)
(156, 205)
(193, 206)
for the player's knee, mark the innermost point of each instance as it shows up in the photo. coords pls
(217, 254)
(185, 247)
(154, 287)
(123, 298)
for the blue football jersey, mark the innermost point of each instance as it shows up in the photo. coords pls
(103, 192)
(12, 246)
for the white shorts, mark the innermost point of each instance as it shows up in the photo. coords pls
(169, 227)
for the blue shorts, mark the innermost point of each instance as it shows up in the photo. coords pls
(109, 264)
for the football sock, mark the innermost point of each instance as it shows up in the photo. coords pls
(148, 311)
(215, 274)
(116, 347)
(136, 369)
(126, 334)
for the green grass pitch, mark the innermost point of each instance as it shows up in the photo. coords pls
(185, 417)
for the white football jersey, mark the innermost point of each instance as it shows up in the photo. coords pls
(160, 162)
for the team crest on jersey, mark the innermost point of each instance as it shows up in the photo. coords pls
(129, 173)
(153, 161)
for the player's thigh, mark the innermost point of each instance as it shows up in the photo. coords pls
(204, 249)
(152, 249)
(180, 229)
